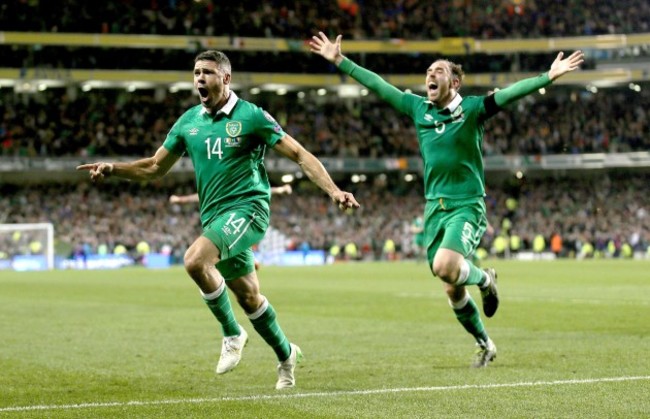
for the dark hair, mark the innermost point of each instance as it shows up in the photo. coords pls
(457, 70)
(218, 57)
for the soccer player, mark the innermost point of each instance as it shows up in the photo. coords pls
(226, 138)
(450, 134)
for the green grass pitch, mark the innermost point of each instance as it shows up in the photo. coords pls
(379, 341)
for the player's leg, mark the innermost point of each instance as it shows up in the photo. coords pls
(264, 319)
(463, 228)
(446, 264)
(200, 260)
(230, 233)
(469, 317)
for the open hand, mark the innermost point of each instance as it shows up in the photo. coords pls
(562, 66)
(329, 50)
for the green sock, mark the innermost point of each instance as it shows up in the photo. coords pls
(471, 275)
(470, 318)
(265, 323)
(219, 304)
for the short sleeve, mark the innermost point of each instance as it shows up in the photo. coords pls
(175, 142)
(267, 128)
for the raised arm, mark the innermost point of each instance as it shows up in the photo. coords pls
(315, 171)
(331, 51)
(144, 169)
(525, 87)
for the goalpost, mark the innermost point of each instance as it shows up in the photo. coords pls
(28, 244)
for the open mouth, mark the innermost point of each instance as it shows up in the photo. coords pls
(203, 92)
(433, 87)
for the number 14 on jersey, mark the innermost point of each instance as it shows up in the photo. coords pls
(214, 148)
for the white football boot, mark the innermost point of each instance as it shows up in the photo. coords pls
(231, 350)
(286, 378)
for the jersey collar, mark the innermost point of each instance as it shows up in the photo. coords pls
(227, 108)
(453, 104)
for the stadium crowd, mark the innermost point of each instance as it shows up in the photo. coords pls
(296, 19)
(600, 215)
(60, 122)
(606, 215)
(299, 20)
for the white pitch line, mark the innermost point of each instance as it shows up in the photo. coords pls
(322, 394)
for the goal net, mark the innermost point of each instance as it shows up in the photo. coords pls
(27, 247)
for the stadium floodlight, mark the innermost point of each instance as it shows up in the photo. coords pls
(30, 245)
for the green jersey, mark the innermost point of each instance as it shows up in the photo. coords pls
(451, 141)
(451, 138)
(227, 151)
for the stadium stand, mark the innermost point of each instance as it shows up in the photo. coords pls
(297, 19)
(591, 208)
(604, 207)
(117, 123)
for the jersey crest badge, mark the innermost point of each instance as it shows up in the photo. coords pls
(457, 116)
(233, 128)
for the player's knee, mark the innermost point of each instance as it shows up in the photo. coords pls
(444, 270)
(193, 263)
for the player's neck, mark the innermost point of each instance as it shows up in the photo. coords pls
(444, 102)
(212, 110)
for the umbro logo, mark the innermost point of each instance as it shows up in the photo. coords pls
(194, 131)
(428, 117)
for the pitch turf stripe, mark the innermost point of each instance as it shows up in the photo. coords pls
(322, 394)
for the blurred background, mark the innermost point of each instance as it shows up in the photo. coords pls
(567, 168)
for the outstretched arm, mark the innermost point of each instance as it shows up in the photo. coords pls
(280, 190)
(143, 169)
(184, 199)
(331, 51)
(525, 87)
(315, 171)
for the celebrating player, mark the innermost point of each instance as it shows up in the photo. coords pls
(450, 133)
(226, 138)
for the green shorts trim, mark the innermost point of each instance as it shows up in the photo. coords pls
(457, 225)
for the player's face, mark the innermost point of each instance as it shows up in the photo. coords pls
(211, 83)
(439, 83)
